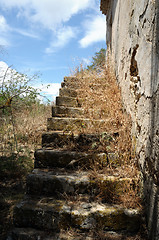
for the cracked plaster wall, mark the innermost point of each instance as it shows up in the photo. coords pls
(133, 45)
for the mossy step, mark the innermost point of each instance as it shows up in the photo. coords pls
(48, 158)
(82, 142)
(56, 183)
(72, 124)
(53, 215)
(62, 111)
(67, 92)
(67, 101)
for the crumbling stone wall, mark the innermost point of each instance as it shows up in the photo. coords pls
(133, 45)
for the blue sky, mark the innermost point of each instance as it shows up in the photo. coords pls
(51, 37)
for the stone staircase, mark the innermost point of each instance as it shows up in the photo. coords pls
(62, 196)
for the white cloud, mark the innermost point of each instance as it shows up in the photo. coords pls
(95, 31)
(3, 24)
(63, 36)
(25, 33)
(86, 61)
(53, 15)
(3, 68)
(50, 90)
(6, 73)
(4, 29)
(49, 13)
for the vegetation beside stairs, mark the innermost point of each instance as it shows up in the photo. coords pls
(85, 183)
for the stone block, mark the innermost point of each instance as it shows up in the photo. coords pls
(48, 158)
(67, 102)
(67, 92)
(62, 111)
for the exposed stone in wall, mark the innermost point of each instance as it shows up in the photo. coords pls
(133, 45)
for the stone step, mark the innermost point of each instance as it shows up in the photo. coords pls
(58, 183)
(48, 158)
(67, 102)
(67, 92)
(28, 234)
(33, 234)
(71, 79)
(62, 111)
(54, 215)
(70, 85)
(82, 142)
(72, 124)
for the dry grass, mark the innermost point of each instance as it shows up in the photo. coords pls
(100, 98)
(99, 235)
(20, 130)
(20, 135)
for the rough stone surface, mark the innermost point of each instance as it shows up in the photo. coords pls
(133, 46)
(48, 158)
(56, 183)
(67, 101)
(61, 111)
(66, 92)
(70, 124)
(82, 142)
(50, 214)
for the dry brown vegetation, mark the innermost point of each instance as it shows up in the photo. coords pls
(20, 135)
(21, 129)
(100, 97)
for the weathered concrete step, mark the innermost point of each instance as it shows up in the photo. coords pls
(76, 85)
(67, 101)
(62, 111)
(48, 158)
(71, 79)
(53, 215)
(67, 92)
(33, 234)
(82, 142)
(71, 124)
(71, 85)
(28, 234)
(56, 183)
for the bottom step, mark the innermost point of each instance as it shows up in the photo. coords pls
(33, 234)
(53, 215)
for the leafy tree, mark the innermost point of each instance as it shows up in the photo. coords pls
(98, 61)
(15, 89)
